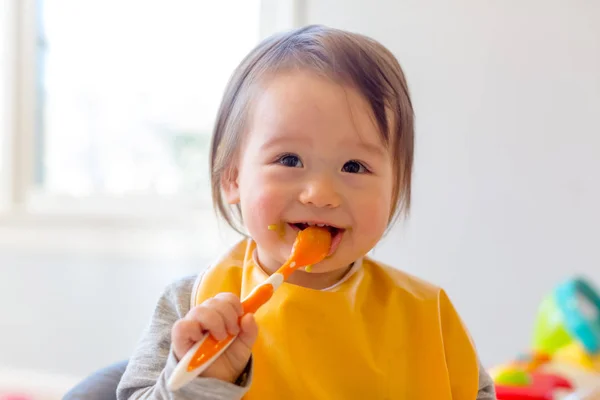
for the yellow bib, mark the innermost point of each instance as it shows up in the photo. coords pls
(379, 334)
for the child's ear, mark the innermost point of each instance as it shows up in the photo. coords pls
(229, 184)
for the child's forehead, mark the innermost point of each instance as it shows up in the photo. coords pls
(300, 106)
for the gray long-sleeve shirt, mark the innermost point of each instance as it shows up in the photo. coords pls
(153, 360)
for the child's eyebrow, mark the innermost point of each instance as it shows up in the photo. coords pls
(374, 149)
(280, 140)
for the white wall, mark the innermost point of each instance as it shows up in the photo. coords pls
(507, 174)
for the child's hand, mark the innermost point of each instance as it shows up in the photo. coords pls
(218, 316)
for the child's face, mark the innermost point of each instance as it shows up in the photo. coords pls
(312, 154)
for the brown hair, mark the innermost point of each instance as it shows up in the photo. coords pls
(350, 58)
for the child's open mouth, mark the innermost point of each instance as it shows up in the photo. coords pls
(336, 232)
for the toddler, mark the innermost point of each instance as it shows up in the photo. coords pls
(316, 127)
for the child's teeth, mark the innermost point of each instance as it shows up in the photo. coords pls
(321, 225)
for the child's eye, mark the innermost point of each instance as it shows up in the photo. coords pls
(354, 167)
(290, 160)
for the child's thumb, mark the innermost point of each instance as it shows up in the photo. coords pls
(248, 331)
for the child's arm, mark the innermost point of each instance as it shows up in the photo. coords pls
(153, 361)
(487, 390)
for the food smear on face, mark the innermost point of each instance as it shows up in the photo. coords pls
(308, 268)
(279, 228)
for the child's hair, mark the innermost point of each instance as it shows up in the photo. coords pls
(348, 58)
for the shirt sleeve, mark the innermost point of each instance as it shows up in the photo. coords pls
(487, 390)
(153, 360)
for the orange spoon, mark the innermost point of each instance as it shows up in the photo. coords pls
(311, 246)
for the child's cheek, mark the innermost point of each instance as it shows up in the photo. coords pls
(373, 214)
(264, 209)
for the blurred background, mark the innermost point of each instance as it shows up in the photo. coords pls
(106, 110)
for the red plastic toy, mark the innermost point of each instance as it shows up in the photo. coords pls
(542, 387)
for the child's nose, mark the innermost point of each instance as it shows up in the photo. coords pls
(320, 192)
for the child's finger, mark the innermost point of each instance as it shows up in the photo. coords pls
(183, 336)
(233, 300)
(187, 330)
(228, 313)
(210, 320)
(249, 330)
(241, 349)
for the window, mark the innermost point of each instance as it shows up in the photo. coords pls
(127, 91)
